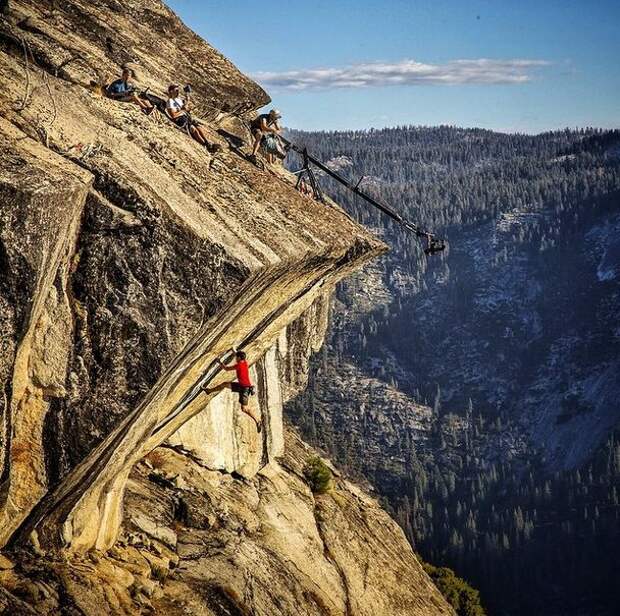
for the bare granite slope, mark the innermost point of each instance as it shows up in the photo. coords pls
(131, 258)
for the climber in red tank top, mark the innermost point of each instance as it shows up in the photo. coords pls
(243, 372)
(242, 386)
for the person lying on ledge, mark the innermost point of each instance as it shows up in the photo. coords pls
(122, 90)
(242, 386)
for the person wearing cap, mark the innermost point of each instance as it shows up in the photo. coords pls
(123, 90)
(177, 110)
(264, 124)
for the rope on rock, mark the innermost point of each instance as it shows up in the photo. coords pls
(22, 105)
(46, 129)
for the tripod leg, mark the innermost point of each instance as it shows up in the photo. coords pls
(318, 195)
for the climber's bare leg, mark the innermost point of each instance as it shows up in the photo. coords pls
(248, 411)
(217, 388)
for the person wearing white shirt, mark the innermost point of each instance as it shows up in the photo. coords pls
(177, 109)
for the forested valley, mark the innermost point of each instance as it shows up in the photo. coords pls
(477, 390)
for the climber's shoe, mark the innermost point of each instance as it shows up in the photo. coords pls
(214, 148)
(254, 159)
(149, 111)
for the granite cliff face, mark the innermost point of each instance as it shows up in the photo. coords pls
(130, 260)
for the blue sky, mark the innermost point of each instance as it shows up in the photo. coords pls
(525, 66)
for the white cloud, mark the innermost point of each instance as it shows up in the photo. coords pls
(405, 72)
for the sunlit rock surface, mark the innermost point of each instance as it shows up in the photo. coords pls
(131, 260)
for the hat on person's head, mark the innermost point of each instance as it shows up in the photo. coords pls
(173, 86)
(275, 113)
(130, 67)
